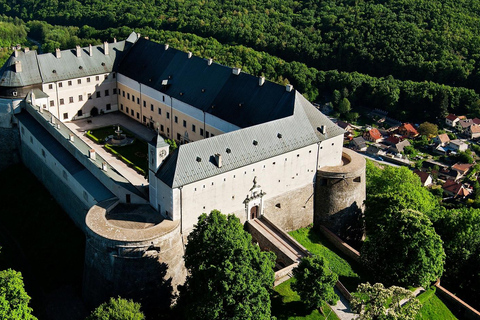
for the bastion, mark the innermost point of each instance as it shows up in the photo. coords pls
(339, 196)
(133, 252)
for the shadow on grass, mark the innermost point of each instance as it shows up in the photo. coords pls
(284, 310)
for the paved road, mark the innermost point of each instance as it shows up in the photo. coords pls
(342, 308)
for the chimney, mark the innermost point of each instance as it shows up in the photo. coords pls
(58, 54)
(210, 61)
(78, 51)
(261, 81)
(289, 88)
(105, 48)
(90, 50)
(166, 46)
(114, 40)
(15, 52)
(189, 54)
(71, 137)
(91, 154)
(236, 71)
(18, 66)
(104, 166)
(218, 159)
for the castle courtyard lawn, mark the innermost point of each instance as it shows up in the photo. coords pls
(433, 307)
(286, 305)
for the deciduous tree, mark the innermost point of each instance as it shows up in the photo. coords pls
(13, 298)
(228, 276)
(117, 309)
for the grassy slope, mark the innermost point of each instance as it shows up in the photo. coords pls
(286, 305)
(433, 307)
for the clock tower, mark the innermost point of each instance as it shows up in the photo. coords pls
(157, 152)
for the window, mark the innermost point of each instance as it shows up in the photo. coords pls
(44, 106)
(126, 109)
(132, 112)
(176, 119)
(138, 115)
(69, 82)
(133, 98)
(121, 106)
(144, 119)
(144, 103)
(161, 127)
(79, 81)
(65, 116)
(114, 90)
(159, 111)
(70, 100)
(179, 137)
(138, 100)
(107, 93)
(60, 84)
(52, 103)
(88, 79)
(123, 93)
(212, 135)
(80, 97)
(62, 101)
(98, 94)
(184, 123)
(89, 95)
(128, 96)
(168, 115)
(168, 130)
(193, 128)
(207, 134)
(151, 107)
(201, 132)
(50, 86)
(109, 106)
(97, 78)
(163, 98)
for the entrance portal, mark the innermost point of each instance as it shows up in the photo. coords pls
(254, 213)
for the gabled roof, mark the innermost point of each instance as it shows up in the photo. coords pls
(401, 145)
(423, 175)
(343, 125)
(212, 88)
(393, 140)
(462, 167)
(195, 161)
(374, 134)
(457, 189)
(474, 128)
(457, 142)
(476, 120)
(443, 138)
(409, 128)
(451, 117)
(360, 142)
(465, 123)
(29, 74)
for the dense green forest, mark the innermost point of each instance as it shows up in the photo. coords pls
(402, 98)
(410, 39)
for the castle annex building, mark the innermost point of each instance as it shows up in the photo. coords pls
(246, 146)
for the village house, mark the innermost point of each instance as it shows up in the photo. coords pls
(473, 131)
(358, 144)
(425, 177)
(373, 135)
(455, 189)
(441, 140)
(458, 145)
(451, 120)
(407, 130)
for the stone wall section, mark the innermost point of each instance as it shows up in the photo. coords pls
(9, 148)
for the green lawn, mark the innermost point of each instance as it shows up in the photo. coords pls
(433, 307)
(286, 305)
(137, 152)
(349, 272)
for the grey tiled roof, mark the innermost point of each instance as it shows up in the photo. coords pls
(195, 161)
(237, 99)
(29, 75)
(70, 66)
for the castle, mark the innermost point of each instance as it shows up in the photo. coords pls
(246, 146)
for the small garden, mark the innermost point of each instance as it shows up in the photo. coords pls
(134, 155)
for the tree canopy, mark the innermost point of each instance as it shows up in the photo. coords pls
(228, 276)
(428, 129)
(379, 303)
(314, 282)
(13, 297)
(117, 309)
(405, 251)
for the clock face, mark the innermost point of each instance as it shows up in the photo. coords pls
(163, 153)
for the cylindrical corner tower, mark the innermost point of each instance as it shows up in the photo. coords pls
(340, 195)
(133, 253)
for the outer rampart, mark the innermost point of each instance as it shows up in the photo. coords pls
(339, 196)
(9, 148)
(131, 257)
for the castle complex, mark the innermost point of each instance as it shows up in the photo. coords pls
(246, 146)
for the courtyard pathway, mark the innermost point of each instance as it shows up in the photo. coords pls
(342, 308)
(110, 119)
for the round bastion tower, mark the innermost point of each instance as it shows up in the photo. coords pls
(339, 196)
(132, 252)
